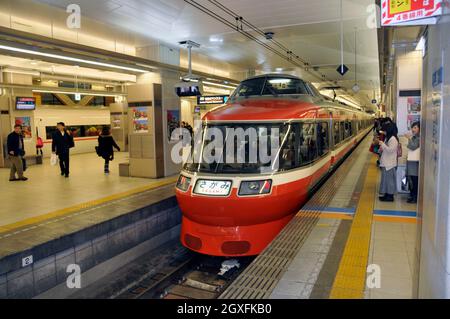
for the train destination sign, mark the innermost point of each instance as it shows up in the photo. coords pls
(213, 99)
(410, 12)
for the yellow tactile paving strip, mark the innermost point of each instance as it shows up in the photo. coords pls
(351, 275)
(86, 205)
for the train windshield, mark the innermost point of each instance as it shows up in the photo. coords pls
(257, 148)
(270, 86)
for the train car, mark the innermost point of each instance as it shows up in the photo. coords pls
(236, 208)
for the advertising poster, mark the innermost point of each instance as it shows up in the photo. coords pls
(116, 122)
(413, 108)
(173, 121)
(140, 119)
(25, 121)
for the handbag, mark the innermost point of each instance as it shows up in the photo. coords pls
(97, 150)
(405, 183)
(53, 159)
(399, 150)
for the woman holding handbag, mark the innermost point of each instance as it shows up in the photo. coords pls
(105, 147)
(388, 162)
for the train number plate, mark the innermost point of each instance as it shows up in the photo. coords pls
(214, 188)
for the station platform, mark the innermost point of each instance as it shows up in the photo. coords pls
(327, 248)
(84, 219)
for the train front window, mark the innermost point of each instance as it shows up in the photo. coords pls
(279, 86)
(270, 86)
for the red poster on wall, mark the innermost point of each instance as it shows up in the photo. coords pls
(409, 12)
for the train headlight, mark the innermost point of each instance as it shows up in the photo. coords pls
(255, 187)
(183, 183)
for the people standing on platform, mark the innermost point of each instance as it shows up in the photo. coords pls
(412, 162)
(16, 151)
(388, 162)
(105, 147)
(62, 142)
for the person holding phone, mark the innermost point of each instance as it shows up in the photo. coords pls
(388, 162)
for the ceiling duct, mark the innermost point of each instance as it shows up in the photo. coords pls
(238, 22)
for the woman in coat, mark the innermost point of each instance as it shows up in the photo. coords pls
(388, 162)
(412, 163)
(105, 147)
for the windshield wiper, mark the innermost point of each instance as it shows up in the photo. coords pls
(272, 90)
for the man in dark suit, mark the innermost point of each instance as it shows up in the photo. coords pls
(62, 142)
(16, 151)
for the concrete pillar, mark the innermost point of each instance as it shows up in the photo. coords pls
(408, 89)
(155, 90)
(434, 207)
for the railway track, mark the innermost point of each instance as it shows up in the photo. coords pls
(191, 276)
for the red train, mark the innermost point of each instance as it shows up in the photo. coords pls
(236, 209)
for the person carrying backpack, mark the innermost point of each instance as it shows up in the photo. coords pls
(105, 147)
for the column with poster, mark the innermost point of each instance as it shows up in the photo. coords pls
(140, 119)
(25, 122)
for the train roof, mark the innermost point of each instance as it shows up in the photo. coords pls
(273, 75)
(265, 108)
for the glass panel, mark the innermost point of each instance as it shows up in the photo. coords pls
(250, 87)
(322, 138)
(281, 85)
(337, 135)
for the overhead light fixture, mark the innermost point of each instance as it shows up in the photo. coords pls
(19, 71)
(218, 84)
(215, 39)
(69, 58)
(82, 93)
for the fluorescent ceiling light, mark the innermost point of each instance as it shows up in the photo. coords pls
(19, 71)
(218, 84)
(82, 93)
(72, 59)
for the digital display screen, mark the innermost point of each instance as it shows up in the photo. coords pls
(193, 90)
(25, 103)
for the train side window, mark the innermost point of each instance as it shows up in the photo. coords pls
(288, 157)
(308, 146)
(322, 138)
(342, 135)
(336, 133)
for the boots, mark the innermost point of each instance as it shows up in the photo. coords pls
(387, 198)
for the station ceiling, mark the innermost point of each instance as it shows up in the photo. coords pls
(310, 29)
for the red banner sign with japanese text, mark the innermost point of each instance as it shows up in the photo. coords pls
(397, 12)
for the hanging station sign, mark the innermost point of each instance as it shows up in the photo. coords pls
(410, 12)
(214, 99)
